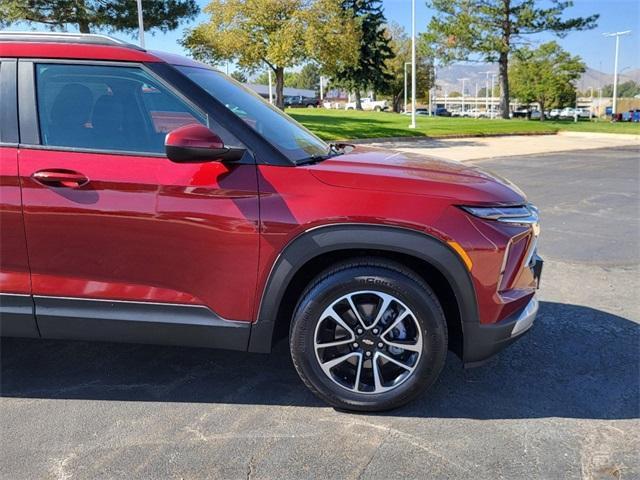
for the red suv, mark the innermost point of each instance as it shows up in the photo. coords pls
(147, 198)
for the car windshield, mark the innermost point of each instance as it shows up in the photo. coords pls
(297, 143)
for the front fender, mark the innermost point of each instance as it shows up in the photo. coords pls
(333, 238)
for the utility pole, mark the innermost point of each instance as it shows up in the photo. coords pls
(413, 64)
(615, 69)
(140, 24)
(321, 88)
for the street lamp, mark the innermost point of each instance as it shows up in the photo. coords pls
(433, 90)
(486, 90)
(140, 24)
(463, 80)
(615, 68)
(493, 81)
(413, 64)
(406, 90)
(476, 99)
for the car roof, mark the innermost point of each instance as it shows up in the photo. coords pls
(81, 47)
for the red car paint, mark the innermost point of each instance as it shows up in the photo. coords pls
(148, 229)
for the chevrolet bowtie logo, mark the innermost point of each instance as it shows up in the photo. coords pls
(367, 341)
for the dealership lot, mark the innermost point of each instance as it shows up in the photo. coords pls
(563, 402)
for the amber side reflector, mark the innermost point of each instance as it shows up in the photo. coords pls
(463, 255)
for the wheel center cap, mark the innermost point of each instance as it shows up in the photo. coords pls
(368, 342)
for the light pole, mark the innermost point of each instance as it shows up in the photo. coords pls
(406, 90)
(486, 91)
(463, 80)
(413, 64)
(476, 101)
(493, 80)
(140, 24)
(433, 90)
(600, 102)
(615, 68)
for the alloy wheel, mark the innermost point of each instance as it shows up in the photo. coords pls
(368, 342)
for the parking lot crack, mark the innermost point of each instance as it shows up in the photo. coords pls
(250, 468)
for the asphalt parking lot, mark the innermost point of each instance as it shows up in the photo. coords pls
(563, 402)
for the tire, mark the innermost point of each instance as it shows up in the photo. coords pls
(423, 330)
(378, 109)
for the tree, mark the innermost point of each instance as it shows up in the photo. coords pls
(545, 75)
(491, 29)
(239, 76)
(98, 15)
(277, 33)
(309, 77)
(401, 48)
(290, 79)
(373, 51)
(626, 89)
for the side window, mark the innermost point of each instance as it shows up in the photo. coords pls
(107, 108)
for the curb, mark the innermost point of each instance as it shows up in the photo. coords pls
(361, 141)
(629, 136)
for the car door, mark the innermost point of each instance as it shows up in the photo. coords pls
(16, 305)
(124, 244)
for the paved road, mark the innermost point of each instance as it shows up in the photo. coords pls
(561, 403)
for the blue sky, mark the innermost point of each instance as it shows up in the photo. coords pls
(596, 50)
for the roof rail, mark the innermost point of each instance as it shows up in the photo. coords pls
(58, 37)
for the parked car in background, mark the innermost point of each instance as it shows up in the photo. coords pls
(438, 112)
(476, 113)
(584, 113)
(554, 113)
(520, 113)
(299, 101)
(567, 113)
(369, 104)
(534, 115)
(442, 112)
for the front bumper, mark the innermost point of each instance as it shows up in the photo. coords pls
(481, 342)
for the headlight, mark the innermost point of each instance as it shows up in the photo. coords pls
(522, 214)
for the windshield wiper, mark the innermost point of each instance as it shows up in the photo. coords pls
(314, 159)
(335, 149)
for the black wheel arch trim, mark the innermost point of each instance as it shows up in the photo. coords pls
(336, 237)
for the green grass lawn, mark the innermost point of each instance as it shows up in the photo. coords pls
(343, 125)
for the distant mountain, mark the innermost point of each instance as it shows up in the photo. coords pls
(596, 79)
(450, 77)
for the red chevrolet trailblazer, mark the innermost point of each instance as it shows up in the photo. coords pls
(147, 198)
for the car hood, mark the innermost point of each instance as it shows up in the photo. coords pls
(376, 169)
